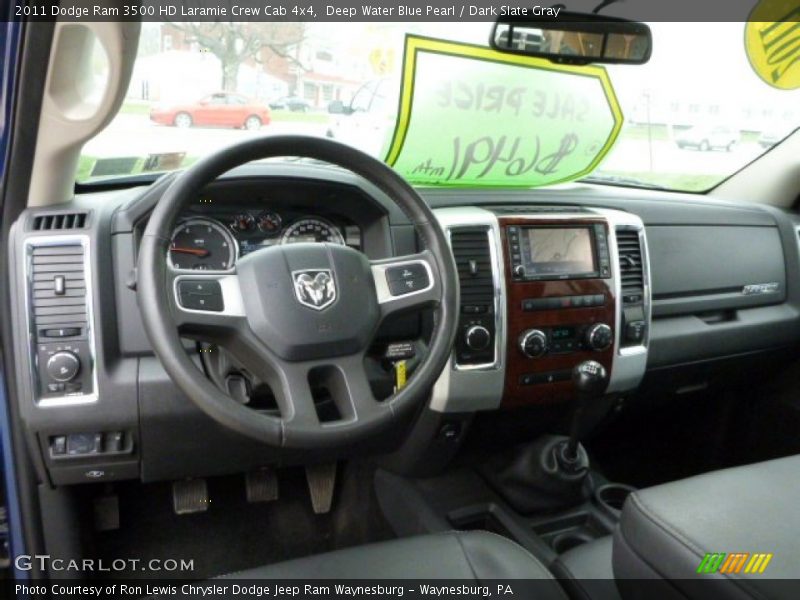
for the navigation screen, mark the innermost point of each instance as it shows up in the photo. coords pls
(557, 251)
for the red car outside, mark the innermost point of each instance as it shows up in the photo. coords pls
(222, 109)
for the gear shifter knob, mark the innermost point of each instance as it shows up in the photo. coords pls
(590, 378)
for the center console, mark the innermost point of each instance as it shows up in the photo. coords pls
(543, 290)
(560, 303)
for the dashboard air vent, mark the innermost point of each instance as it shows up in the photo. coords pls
(471, 251)
(58, 287)
(630, 262)
(61, 221)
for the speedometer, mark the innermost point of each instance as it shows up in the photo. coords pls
(202, 245)
(312, 230)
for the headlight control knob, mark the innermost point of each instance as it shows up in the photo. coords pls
(477, 337)
(63, 366)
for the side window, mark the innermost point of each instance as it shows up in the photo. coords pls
(218, 99)
(236, 100)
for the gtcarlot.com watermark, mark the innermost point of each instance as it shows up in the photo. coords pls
(45, 562)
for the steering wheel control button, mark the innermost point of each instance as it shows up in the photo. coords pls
(405, 272)
(407, 286)
(406, 279)
(63, 366)
(202, 287)
(201, 294)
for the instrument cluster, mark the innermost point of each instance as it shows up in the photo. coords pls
(216, 241)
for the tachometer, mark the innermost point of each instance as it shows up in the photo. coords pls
(202, 245)
(312, 230)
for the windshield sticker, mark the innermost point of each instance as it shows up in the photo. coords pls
(773, 44)
(472, 116)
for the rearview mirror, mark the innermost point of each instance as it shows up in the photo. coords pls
(575, 38)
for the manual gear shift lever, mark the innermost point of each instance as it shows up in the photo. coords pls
(551, 472)
(590, 379)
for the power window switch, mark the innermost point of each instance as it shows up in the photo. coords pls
(58, 445)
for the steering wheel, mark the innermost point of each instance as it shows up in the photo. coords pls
(299, 314)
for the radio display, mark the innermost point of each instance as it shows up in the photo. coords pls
(557, 251)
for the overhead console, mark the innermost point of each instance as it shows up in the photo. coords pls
(541, 291)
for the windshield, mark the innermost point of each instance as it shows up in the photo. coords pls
(690, 117)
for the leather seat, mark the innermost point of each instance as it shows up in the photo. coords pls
(473, 555)
(666, 531)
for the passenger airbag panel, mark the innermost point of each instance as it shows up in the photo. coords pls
(705, 268)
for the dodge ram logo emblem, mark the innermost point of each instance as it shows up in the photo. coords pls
(314, 288)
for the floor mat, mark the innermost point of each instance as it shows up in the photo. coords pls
(234, 535)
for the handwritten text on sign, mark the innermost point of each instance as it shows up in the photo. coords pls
(472, 116)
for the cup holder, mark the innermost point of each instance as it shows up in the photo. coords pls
(569, 540)
(611, 497)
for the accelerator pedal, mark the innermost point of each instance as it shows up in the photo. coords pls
(321, 483)
(190, 496)
(262, 485)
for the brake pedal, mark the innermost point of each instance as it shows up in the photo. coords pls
(321, 483)
(189, 496)
(262, 485)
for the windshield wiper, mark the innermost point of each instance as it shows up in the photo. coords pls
(623, 181)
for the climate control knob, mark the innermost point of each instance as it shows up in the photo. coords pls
(533, 343)
(599, 336)
(519, 271)
(477, 337)
(63, 366)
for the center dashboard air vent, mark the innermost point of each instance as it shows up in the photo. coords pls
(473, 260)
(630, 265)
(59, 221)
